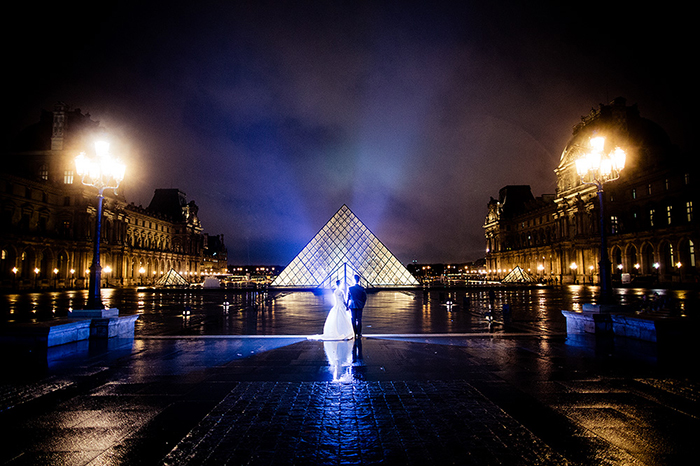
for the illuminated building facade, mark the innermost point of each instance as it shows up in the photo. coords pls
(48, 218)
(342, 248)
(651, 227)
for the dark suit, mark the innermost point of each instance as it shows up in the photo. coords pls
(357, 297)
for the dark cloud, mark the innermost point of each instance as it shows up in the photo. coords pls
(271, 115)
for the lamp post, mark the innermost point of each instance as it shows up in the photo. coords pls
(574, 268)
(102, 172)
(107, 270)
(596, 168)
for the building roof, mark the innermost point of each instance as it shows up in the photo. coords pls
(646, 143)
(170, 202)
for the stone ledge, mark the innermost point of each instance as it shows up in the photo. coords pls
(588, 322)
(113, 327)
(46, 334)
(647, 328)
(92, 313)
(634, 327)
(65, 330)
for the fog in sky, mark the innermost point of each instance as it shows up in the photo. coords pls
(272, 115)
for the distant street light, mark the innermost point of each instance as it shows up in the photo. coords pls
(597, 167)
(102, 172)
(107, 270)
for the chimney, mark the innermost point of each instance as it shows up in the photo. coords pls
(59, 126)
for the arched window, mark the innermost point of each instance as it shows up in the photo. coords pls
(45, 267)
(668, 258)
(687, 253)
(633, 260)
(616, 257)
(647, 259)
(62, 265)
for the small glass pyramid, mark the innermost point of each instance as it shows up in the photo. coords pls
(172, 278)
(518, 275)
(345, 247)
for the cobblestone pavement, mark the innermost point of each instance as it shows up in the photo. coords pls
(464, 399)
(359, 423)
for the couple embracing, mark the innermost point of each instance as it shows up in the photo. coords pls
(344, 320)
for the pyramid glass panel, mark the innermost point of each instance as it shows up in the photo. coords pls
(342, 248)
(518, 275)
(172, 278)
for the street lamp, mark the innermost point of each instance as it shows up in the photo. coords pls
(597, 167)
(102, 172)
(107, 270)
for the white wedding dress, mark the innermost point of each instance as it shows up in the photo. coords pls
(338, 325)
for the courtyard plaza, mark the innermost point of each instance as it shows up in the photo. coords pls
(439, 377)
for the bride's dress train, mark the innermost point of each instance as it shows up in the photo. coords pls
(338, 325)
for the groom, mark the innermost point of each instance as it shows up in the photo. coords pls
(356, 302)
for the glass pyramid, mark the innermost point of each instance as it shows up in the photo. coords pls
(518, 275)
(172, 278)
(345, 247)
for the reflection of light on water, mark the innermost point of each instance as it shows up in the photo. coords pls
(141, 301)
(304, 313)
(108, 297)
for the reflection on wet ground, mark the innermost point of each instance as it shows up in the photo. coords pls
(429, 400)
(441, 377)
(225, 312)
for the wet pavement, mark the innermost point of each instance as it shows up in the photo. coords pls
(443, 389)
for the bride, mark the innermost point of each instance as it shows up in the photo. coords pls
(338, 325)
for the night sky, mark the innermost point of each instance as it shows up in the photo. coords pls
(272, 115)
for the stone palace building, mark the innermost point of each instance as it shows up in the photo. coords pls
(47, 218)
(650, 221)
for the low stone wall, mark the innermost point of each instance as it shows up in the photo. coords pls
(587, 322)
(61, 331)
(46, 334)
(113, 326)
(641, 327)
(634, 327)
